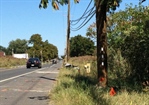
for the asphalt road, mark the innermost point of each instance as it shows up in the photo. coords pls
(9, 73)
(23, 86)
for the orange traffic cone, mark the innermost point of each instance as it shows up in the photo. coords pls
(112, 91)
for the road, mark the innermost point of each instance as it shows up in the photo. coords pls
(23, 86)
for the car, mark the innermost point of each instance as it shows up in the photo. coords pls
(33, 62)
(54, 61)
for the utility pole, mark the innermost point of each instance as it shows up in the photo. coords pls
(12, 52)
(68, 33)
(41, 56)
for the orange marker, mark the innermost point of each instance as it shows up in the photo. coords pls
(112, 92)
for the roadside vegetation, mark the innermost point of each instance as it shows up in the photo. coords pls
(75, 87)
(128, 65)
(10, 62)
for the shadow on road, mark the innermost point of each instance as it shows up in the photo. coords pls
(48, 78)
(40, 97)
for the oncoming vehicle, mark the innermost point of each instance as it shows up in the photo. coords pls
(33, 62)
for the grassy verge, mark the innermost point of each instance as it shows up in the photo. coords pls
(72, 90)
(8, 62)
(79, 88)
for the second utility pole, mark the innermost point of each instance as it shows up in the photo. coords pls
(68, 33)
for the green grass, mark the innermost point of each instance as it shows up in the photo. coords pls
(132, 98)
(74, 88)
(70, 90)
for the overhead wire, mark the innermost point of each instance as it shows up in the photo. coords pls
(83, 13)
(74, 22)
(83, 23)
(90, 13)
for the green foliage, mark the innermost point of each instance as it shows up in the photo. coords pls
(80, 46)
(91, 32)
(119, 70)
(43, 50)
(43, 3)
(49, 51)
(54, 3)
(36, 41)
(112, 4)
(17, 46)
(3, 49)
(78, 88)
(137, 54)
(74, 89)
(128, 32)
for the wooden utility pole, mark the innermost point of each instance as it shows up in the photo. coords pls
(101, 9)
(68, 33)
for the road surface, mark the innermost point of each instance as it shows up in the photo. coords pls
(23, 86)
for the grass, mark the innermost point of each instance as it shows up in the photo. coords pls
(74, 88)
(132, 98)
(70, 90)
(9, 62)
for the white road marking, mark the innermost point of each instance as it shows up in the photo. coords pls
(51, 66)
(46, 72)
(20, 75)
(38, 90)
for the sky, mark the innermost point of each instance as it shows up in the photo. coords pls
(20, 19)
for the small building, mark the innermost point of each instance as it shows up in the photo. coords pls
(2, 54)
(25, 55)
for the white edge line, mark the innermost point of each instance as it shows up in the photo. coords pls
(20, 75)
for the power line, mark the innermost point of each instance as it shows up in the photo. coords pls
(83, 13)
(82, 17)
(83, 23)
(87, 15)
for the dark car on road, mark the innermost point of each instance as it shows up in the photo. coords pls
(33, 62)
(54, 61)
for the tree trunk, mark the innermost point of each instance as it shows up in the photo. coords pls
(101, 42)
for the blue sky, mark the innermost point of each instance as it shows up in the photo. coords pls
(22, 18)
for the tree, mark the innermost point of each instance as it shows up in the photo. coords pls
(91, 32)
(80, 46)
(49, 51)
(17, 46)
(54, 3)
(43, 50)
(36, 41)
(3, 49)
(102, 7)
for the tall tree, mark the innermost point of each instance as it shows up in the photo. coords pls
(44, 50)
(36, 41)
(80, 46)
(17, 46)
(102, 7)
(49, 51)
